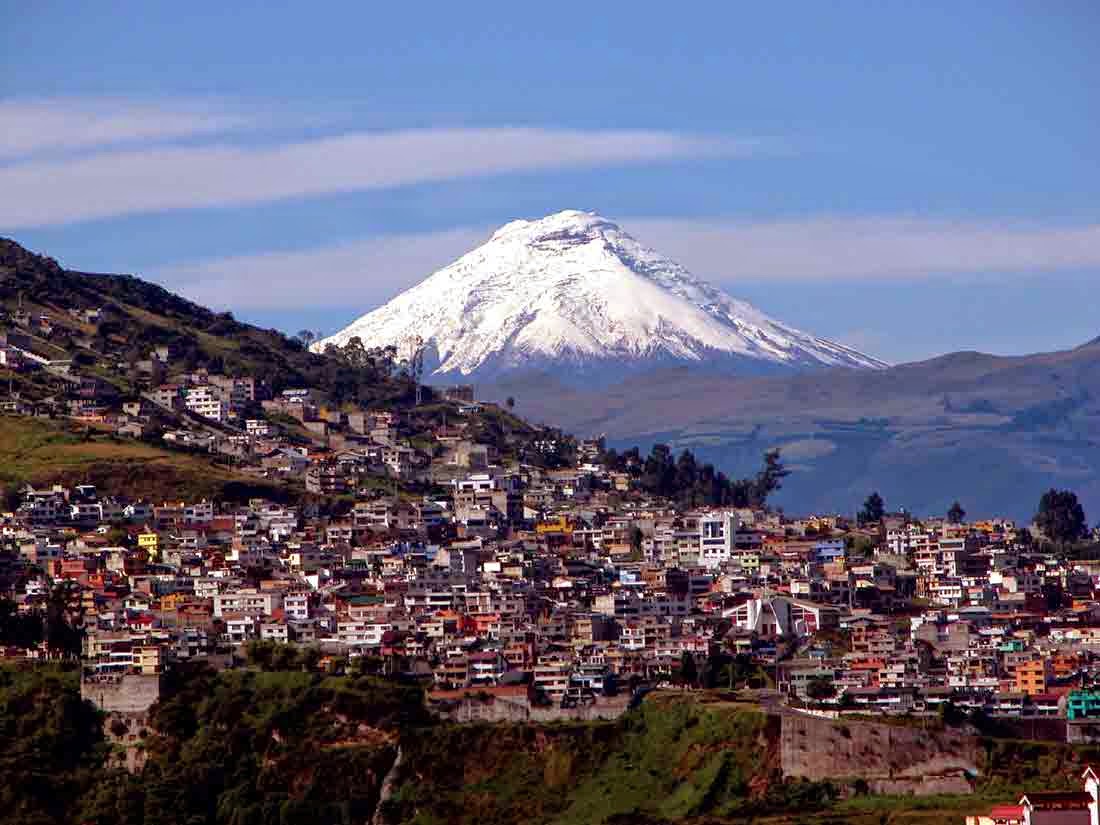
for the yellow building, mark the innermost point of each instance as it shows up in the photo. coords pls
(560, 525)
(148, 543)
(148, 659)
(172, 601)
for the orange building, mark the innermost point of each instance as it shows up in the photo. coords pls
(1031, 677)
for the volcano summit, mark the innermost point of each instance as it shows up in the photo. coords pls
(573, 294)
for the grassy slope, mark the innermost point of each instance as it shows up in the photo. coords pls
(667, 762)
(676, 761)
(291, 747)
(42, 452)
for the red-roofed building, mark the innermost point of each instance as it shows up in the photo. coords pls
(1049, 807)
(999, 815)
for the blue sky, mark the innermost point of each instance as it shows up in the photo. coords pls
(906, 178)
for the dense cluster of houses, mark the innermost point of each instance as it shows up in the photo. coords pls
(571, 585)
(293, 434)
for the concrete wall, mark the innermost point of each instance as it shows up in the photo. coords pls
(890, 758)
(1084, 732)
(501, 709)
(126, 700)
(129, 694)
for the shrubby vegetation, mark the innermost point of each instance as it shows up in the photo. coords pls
(257, 747)
(140, 316)
(684, 480)
(664, 762)
(280, 747)
(52, 749)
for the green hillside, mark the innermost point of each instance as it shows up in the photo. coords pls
(139, 316)
(38, 452)
(249, 747)
(109, 326)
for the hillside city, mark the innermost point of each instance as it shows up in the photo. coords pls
(444, 414)
(565, 586)
(514, 572)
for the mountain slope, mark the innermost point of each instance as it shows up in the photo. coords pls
(574, 293)
(993, 432)
(142, 315)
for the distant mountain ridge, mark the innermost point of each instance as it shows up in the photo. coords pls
(574, 294)
(991, 431)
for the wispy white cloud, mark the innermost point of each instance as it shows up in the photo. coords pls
(44, 192)
(355, 275)
(852, 248)
(361, 274)
(50, 125)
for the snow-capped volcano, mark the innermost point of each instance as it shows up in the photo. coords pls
(574, 292)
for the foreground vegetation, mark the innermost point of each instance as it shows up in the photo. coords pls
(253, 747)
(674, 762)
(52, 749)
(238, 747)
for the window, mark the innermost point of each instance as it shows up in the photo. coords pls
(712, 530)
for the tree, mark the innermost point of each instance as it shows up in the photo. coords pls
(306, 336)
(769, 479)
(689, 673)
(510, 402)
(355, 353)
(259, 653)
(64, 615)
(19, 629)
(860, 547)
(873, 509)
(819, 689)
(284, 657)
(714, 667)
(310, 657)
(693, 484)
(956, 514)
(1061, 517)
